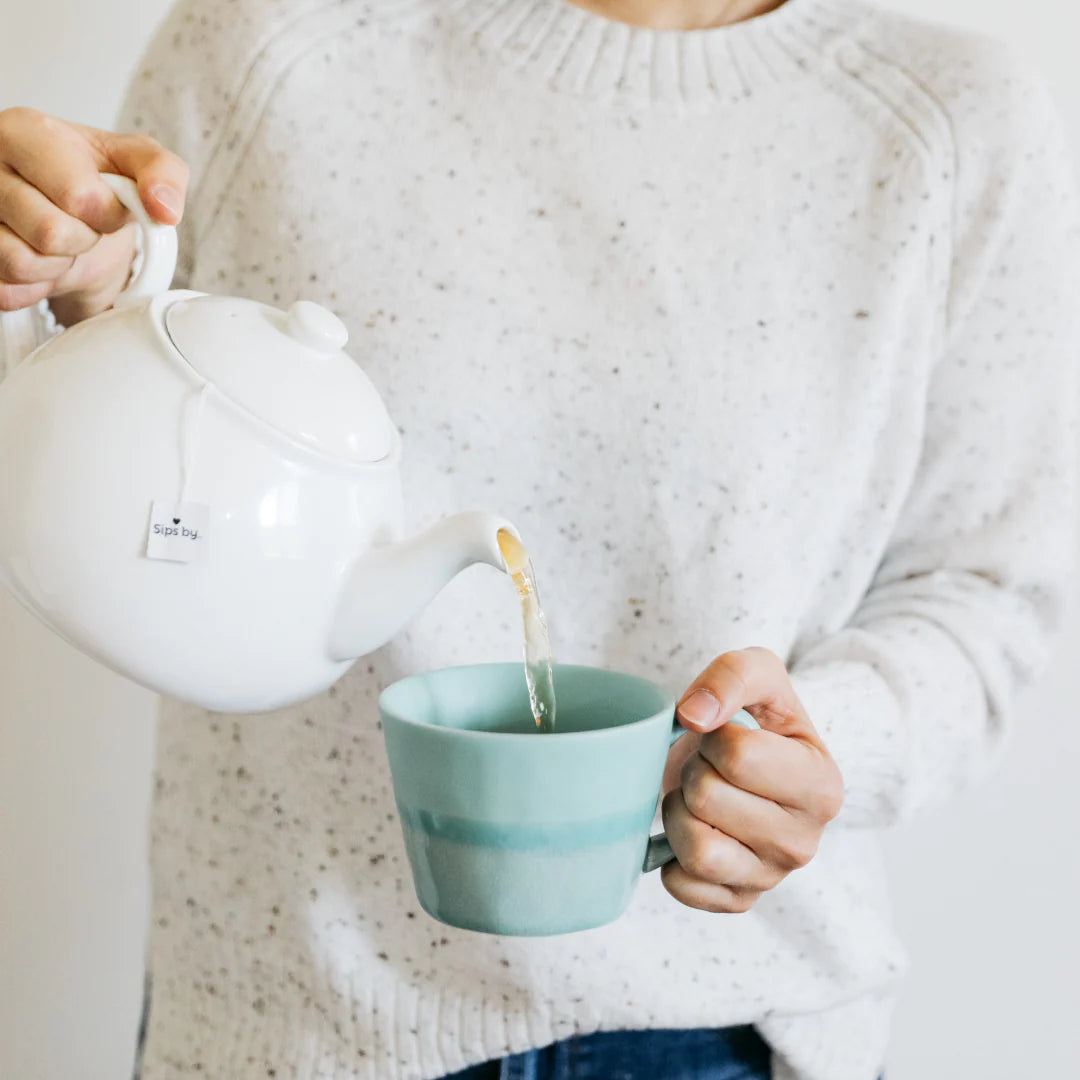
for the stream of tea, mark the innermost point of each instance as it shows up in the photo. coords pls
(538, 673)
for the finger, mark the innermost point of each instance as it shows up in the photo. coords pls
(45, 227)
(708, 854)
(754, 679)
(160, 175)
(20, 264)
(17, 297)
(105, 267)
(721, 899)
(62, 164)
(680, 752)
(800, 777)
(777, 837)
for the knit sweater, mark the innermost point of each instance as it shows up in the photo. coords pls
(761, 335)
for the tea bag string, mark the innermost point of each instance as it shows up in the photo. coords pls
(190, 436)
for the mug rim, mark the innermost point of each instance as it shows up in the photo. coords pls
(667, 708)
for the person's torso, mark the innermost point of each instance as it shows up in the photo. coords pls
(684, 347)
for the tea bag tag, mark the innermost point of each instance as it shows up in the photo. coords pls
(177, 531)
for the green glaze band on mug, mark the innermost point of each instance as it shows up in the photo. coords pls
(510, 830)
(530, 837)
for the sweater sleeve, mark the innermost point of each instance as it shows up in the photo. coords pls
(913, 695)
(21, 332)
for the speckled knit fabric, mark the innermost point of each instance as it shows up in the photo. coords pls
(761, 335)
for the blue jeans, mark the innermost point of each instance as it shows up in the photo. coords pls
(736, 1053)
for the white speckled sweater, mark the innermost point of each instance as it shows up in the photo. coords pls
(761, 334)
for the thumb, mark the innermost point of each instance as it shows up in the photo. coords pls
(753, 679)
(160, 175)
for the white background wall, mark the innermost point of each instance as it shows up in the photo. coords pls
(986, 893)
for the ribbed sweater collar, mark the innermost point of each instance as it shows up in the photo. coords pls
(578, 51)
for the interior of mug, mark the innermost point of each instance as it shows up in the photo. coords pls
(493, 698)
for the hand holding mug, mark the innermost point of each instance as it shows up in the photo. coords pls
(751, 805)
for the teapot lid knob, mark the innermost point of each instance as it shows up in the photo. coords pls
(316, 328)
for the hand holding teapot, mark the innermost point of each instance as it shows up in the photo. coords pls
(63, 235)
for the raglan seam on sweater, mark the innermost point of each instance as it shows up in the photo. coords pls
(227, 149)
(257, 90)
(861, 76)
(249, 68)
(793, 41)
(933, 143)
(950, 149)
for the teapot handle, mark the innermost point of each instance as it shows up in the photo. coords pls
(21, 332)
(158, 245)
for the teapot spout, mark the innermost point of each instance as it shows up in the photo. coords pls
(389, 585)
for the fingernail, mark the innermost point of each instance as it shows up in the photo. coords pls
(168, 197)
(700, 709)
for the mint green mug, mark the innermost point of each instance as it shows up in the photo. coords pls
(511, 830)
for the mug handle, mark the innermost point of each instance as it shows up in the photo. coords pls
(158, 245)
(659, 852)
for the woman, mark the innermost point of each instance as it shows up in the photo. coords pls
(756, 318)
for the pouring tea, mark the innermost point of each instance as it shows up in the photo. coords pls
(203, 493)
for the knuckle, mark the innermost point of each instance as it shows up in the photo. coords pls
(46, 121)
(770, 876)
(826, 798)
(742, 900)
(764, 655)
(80, 198)
(175, 162)
(697, 861)
(17, 116)
(738, 753)
(832, 797)
(157, 161)
(826, 805)
(697, 785)
(16, 265)
(736, 663)
(53, 236)
(669, 805)
(795, 851)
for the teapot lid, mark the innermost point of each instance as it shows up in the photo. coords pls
(286, 368)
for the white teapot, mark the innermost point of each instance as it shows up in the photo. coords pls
(203, 493)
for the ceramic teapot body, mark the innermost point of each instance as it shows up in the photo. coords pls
(203, 534)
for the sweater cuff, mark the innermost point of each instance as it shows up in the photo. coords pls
(859, 719)
(21, 332)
